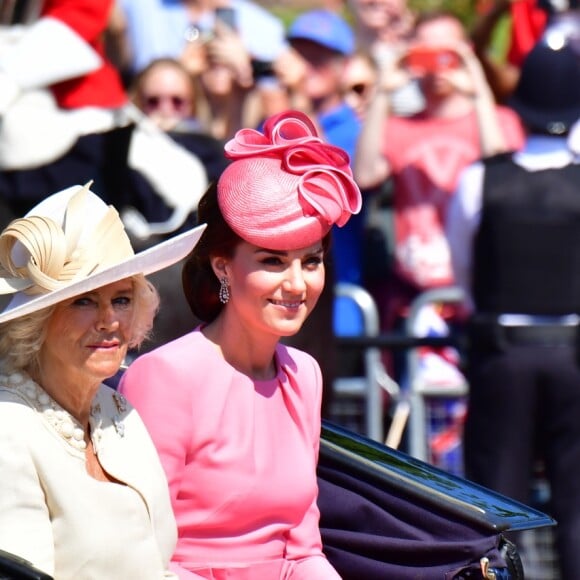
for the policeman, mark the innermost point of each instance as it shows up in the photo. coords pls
(514, 233)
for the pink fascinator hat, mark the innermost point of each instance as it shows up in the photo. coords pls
(286, 187)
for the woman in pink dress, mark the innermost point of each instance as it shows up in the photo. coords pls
(234, 414)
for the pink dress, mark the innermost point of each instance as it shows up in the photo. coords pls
(240, 457)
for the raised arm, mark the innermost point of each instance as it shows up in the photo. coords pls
(370, 166)
(474, 83)
(502, 76)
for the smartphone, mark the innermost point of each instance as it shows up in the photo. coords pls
(227, 15)
(426, 59)
(262, 69)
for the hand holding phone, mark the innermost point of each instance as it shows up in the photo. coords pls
(227, 15)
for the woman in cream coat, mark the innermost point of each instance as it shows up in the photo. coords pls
(82, 491)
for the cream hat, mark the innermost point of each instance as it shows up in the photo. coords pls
(72, 243)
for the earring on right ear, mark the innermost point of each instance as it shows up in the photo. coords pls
(224, 292)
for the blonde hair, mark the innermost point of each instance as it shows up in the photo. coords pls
(146, 306)
(22, 339)
(136, 86)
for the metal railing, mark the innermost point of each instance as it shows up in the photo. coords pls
(419, 390)
(375, 378)
(371, 342)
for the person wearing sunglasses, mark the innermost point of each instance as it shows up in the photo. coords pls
(165, 92)
(358, 82)
(423, 154)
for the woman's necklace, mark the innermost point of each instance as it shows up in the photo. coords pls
(58, 418)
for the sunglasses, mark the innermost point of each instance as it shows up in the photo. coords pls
(359, 88)
(153, 102)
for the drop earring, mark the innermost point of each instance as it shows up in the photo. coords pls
(224, 292)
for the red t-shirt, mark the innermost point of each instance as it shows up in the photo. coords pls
(426, 156)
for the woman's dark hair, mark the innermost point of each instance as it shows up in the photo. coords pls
(200, 284)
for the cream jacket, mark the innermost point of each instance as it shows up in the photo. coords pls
(55, 515)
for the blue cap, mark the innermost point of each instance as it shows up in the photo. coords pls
(325, 28)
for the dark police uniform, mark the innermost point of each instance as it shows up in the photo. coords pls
(523, 362)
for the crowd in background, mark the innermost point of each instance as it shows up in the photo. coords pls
(141, 95)
(199, 70)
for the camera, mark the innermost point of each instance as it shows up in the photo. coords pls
(262, 68)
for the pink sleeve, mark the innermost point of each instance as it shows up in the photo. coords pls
(155, 388)
(306, 538)
(304, 545)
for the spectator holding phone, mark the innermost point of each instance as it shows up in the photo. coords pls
(228, 45)
(158, 29)
(424, 154)
(380, 26)
(358, 82)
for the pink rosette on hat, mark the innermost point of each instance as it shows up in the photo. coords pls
(286, 187)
